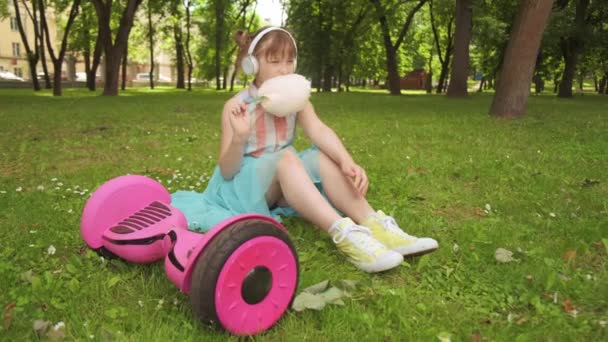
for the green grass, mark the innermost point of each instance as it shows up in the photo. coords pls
(435, 164)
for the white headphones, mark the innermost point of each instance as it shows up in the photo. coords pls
(250, 64)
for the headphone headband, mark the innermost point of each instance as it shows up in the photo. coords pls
(260, 35)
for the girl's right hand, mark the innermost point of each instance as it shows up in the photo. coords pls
(239, 120)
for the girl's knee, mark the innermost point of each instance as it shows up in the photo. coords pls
(288, 159)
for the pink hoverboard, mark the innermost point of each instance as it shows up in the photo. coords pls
(242, 273)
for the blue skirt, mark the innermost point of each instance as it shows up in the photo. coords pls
(245, 193)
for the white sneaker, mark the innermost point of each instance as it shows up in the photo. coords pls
(361, 249)
(384, 228)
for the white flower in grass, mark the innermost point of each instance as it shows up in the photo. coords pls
(198, 183)
(2, 191)
(455, 248)
(19, 189)
(603, 323)
(59, 184)
(92, 337)
(40, 188)
(32, 245)
(190, 187)
(160, 304)
(51, 250)
(179, 159)
(70, 211)
(33, 231)
(175, 301)
(407, 157)
(53, 179)
(552, 214)
(166, 156)
(141, 304)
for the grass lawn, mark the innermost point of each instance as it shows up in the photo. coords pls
(537, 187)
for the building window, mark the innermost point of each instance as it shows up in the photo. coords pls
(14, 25)
(16, 50)
(19, 72)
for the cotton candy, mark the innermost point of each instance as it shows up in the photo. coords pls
(286, 94)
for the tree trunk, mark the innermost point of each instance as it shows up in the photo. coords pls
(151, 46)
(179, 55)
(58, 59)
(481, 84)
(92, 75)
(32, 57)
(602, 86)
(125, 57)
(219, 31)
(595, 83)
(57, 79)
(571, 48)
(571, 59)
(444, 70)
(327, 75)
(520, 57)
(188, 55)
(114, 50)
(224, 78)
(462, 37)
(393, 84)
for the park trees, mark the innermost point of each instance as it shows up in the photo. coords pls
(114, 47)
(520, 58)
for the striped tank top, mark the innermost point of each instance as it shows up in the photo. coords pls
(271, 133)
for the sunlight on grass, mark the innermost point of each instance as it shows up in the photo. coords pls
(534, 187)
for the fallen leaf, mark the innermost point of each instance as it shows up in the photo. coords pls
(476, 337)
(333, 296)
(503, 255)
(521, 321)
(307, 300)
(27, 276)
(348, 285)
(568, 306)
(317, 288)
(7, 315)
(444, 336)
(570, 255)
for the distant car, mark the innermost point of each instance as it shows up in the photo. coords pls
(142, 77)
(145, 77)
(81, 77)
(9, 76)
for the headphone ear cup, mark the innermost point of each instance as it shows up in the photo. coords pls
(249, 64)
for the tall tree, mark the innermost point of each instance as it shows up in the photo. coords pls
(59, 57)
(85, 40)
(390, 47)
(32, 55)
(572, 45)
(445, 57)
(188, 6)
(520, 57)
(462, 37)
(114, 48)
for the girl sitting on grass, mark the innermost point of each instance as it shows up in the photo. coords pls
(260, 171)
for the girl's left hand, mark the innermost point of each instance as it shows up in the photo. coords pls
(357, 175)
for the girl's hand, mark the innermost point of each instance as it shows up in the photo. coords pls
(239, 120)
(357, 175)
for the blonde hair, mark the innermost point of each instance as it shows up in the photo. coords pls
(274, 43)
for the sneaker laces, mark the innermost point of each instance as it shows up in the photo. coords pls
(363, 240)
(389, 223)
